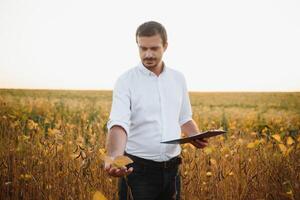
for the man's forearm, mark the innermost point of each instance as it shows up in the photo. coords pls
(116, 141)
(189, 128)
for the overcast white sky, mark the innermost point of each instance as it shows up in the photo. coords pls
(218, 45)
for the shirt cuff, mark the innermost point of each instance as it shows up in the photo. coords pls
(183, 121)
(112, 123)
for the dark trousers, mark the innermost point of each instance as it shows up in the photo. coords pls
(151, 180)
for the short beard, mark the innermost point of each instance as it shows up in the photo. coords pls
(152, 65)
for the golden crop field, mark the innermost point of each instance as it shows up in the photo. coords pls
(51, 142)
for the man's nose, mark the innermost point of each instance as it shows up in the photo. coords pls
(148, 54)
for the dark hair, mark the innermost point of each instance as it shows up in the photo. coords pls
(152, 28)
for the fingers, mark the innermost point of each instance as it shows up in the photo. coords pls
(129, 171)
(117, 172)
(199, 143)
(193, 142)
(202, 142)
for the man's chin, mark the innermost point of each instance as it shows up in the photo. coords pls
(150, 65)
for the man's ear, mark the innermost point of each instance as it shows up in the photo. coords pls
(165, 46)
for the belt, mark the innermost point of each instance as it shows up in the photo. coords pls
(173, 162)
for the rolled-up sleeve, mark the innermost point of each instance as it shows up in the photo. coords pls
(120, 109)
(186, 109)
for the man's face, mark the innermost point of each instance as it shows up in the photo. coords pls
(151, 50)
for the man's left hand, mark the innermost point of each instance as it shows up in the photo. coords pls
(199, 143)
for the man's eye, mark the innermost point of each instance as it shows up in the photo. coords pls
(143, 48)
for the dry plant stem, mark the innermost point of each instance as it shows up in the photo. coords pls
(36, 183)
(129, 192)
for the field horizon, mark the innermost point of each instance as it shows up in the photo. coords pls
(190, 91)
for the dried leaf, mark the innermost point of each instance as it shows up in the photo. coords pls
(99, 196)
(290, 141)
(213, 161)
(208, 174)
(282, 148)
(277, 137)
(121, 161)
(251, 145)
(102, 151)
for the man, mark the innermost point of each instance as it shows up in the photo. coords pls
(150, 105)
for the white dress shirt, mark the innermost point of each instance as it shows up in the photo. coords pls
(151, 109)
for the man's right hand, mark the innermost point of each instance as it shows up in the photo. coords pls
(117, 171)
(115, 145)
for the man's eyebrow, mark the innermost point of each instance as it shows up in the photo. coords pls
(152, 47)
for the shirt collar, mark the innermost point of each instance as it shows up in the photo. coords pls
(147, 72)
